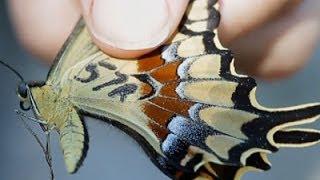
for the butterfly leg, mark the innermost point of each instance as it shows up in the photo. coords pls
(45, 148)
(48, 154)
(20, 113)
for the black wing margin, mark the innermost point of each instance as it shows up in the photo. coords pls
(262, 130)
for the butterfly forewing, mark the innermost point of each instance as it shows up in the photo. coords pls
(77, 47)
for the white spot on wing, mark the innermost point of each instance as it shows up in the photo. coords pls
(170, 52)
(184, 67)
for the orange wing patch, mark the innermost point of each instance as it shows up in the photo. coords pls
(167, 72)
(179, 107)
(169, 90)
(150, 61)
(161, 118)
(146, 89)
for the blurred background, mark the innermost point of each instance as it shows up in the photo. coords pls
(114, 155)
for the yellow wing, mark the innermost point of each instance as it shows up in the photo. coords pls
(185, 103)
(77, 47)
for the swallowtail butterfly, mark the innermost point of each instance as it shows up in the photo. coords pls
(184, 103)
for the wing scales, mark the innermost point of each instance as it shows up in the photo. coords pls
(239, 144)
(188, 102)
(78, 47)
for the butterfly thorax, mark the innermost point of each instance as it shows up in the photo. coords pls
(52, 107)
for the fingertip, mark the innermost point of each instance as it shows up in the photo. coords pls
(271, 68)
(132, 30)
(43, 26)
(239, 18)
(281, 47)
(120, 53)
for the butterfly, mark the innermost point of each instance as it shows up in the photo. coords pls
(185, 104)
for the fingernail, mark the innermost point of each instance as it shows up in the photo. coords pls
(130, 24)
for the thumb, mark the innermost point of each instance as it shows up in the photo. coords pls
(128, 29)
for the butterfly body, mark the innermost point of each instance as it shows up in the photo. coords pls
(195, 116)
(58, 113)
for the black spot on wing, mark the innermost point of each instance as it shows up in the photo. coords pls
(146, 79)
(296, 137)
(214, 16)
(212, 21)
(175, 150)
(255, 160)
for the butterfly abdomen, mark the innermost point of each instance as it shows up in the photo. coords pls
(72, 140)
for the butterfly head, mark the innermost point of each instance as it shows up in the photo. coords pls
(23, 89)
(23, 92)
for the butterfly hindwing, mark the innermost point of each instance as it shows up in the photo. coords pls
(198, 117)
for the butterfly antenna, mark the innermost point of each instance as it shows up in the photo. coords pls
(12, 70)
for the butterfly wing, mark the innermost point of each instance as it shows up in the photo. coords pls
(197, 117)
(77, 47)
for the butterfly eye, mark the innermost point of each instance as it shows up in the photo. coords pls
(23, 95)
(23, 90)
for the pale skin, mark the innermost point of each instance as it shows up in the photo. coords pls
(271, 39)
